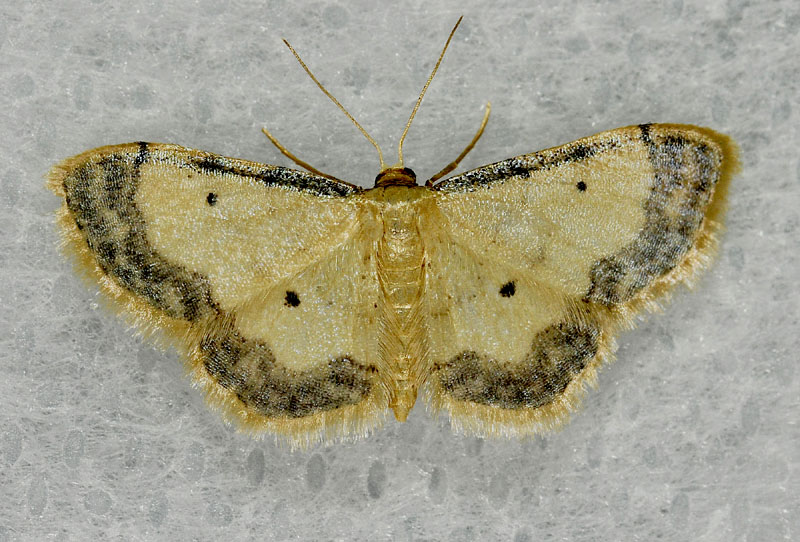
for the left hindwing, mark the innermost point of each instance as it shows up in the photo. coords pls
(541, 258)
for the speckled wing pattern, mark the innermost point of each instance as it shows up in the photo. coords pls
(240, 264)
(567, 245)
(308, 307)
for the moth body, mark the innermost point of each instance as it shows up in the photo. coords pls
(400, 264)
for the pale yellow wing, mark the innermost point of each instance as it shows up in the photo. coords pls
(259, 272)
(540, 259)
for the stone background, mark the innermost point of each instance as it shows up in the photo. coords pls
(691, 435)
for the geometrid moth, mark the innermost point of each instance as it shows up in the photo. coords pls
(308, 306)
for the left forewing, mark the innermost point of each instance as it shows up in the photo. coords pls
(260, 273)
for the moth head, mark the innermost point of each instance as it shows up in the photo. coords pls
(396, 176)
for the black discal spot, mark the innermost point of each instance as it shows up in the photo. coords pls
(581, 186)
(292, 299)
(557, 355)
(211, 198)
(508, 289)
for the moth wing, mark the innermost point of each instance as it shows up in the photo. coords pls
(260, 273)
(541, 258)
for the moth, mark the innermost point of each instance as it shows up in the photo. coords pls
(308, 307)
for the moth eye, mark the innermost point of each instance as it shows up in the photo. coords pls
(508, 289)
(292, 299)
(581, 186)
(211, 198)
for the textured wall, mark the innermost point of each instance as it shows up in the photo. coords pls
(691, 434)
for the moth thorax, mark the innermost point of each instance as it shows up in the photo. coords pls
(396, 176)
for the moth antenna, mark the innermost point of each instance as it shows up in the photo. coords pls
(454, 164)
(296, 160)
(339, 105)
(421, 94)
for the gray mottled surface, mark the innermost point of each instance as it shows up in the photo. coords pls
(691, 435)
